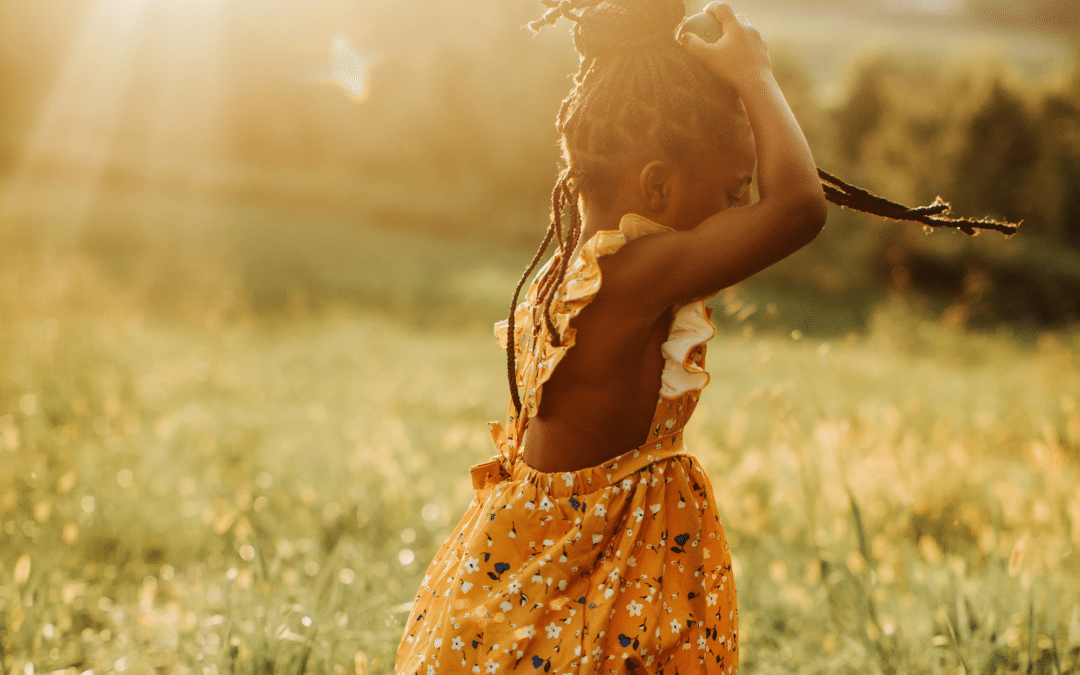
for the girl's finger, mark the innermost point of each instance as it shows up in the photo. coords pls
(693, 44)
(722, 12)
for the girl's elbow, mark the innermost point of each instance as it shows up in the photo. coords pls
(816, 213)
(808, 213)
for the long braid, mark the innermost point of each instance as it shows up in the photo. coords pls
(565, 251)
(558, 205)
(511, 343)
(934, 215)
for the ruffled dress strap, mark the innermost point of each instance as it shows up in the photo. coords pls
(538, 354)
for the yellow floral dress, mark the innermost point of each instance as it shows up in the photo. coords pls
(599, 570)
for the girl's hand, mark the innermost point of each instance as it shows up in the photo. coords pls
(739, 54)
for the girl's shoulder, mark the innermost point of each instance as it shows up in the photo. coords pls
(539, 350)
(579, 287)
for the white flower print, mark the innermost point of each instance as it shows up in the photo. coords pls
(437, 643)
(553, 630)
(675, 626)
(546, 504)
(466, 586)
(514, 587)
(710, 599)
(492, 667)
(701, 643)
(638, 513)
(430, 669)
(457, 643)
(506, 606)
(528, 631)
(655, 508)
(635, 608)
(631, 562)
(472, 565)
(627, 483)
(568, 477)
(600, 510)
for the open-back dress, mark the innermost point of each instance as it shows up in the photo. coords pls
(588, 571)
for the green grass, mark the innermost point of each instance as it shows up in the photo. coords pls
(204, 485)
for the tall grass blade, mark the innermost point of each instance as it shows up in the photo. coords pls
(1031, 630)
(956, 647)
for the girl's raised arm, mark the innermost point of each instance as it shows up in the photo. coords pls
(735, 243)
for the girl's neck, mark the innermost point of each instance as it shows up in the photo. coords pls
(595, 218)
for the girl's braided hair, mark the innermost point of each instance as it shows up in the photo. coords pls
(637, 87)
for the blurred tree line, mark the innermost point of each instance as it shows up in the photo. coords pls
(992, 145)
(457, 135)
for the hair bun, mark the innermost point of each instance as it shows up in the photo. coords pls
(617, 26)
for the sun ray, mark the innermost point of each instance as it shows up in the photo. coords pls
(184, 107)
(74, 134)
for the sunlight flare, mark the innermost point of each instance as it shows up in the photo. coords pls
(138, 96)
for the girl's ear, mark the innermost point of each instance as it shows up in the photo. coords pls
(655, 186)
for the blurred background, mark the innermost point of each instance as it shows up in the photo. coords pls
(293, 144)
(250, 256)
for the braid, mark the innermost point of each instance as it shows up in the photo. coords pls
(567, 246)
(556, 9)
(511, 342)
(934, 215)
(558, 204)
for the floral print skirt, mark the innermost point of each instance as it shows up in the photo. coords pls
(600, 570)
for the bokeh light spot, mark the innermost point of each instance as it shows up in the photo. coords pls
(125, 478)
(430, 512)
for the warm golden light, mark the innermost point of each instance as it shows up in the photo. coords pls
(138, 95)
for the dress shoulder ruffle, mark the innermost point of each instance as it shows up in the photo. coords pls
(537, 358)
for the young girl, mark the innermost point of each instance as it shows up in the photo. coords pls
(594, 544)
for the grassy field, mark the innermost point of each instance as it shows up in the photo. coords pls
(210, 487)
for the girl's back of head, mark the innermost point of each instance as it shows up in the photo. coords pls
(637, 90)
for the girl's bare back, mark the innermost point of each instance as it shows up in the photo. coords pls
(601, 397)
